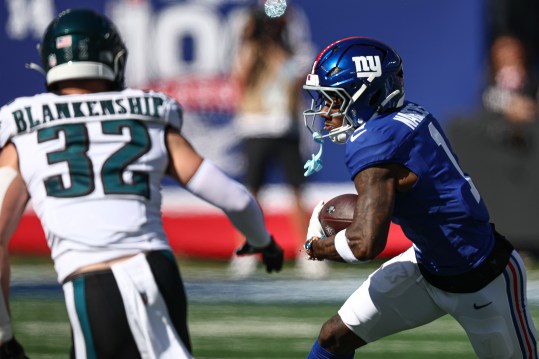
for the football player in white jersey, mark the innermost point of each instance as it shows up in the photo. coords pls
(91, 155)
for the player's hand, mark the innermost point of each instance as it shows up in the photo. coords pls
(12, 350)
(272, 255)
(315, 228)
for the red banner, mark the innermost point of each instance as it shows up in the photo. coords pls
(197, 235)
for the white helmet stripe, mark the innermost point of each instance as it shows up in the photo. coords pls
(79, 70)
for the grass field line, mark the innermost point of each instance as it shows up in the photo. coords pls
(241, 327)
(253, 290)
(274, 327)
(291, 290)
(42, 327)
(209, 282)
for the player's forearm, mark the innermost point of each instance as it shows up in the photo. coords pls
(324, 248)
(339, 249)
(214, 186)
(13, 200)
(367, 235)
(250, 222)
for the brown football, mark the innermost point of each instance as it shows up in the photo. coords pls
(337, 213)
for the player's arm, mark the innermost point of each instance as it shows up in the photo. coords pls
(13, 200)
(366, 237)
(208, 182)
(376, 188)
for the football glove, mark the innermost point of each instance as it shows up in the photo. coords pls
(12, 350)
(315, 228)
(272, 255)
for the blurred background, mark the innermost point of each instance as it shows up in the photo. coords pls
(188, 49)
(472, 63)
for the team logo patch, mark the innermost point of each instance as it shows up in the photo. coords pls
(367, 66)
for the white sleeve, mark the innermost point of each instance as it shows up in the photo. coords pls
(6, 126)
(214, 186)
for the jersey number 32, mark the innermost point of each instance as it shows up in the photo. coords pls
(81, 169)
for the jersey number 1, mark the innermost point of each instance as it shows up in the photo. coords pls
(439, 139)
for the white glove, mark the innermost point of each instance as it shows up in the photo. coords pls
(315, 228)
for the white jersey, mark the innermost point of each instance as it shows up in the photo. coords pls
(93, 165)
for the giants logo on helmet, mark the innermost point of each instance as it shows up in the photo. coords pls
(367, 66)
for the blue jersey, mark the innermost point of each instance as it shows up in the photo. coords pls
(443, 214)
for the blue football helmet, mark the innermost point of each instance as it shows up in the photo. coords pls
(360, 77)
(82, 44)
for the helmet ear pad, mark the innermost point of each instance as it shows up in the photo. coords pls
(82, 44)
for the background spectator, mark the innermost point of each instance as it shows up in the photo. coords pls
(518, 17)
(511, 92)
(498, 142)
(269, 77)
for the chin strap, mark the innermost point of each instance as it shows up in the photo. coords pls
(315, 163)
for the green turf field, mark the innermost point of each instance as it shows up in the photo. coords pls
(238, 329)
(245, 331)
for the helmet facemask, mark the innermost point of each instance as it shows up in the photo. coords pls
(337, 102)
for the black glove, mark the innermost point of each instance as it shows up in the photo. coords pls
(12, 350)
(272, 255)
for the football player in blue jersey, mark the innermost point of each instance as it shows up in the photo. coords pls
(405, 172)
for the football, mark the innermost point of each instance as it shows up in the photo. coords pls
(337, 213)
